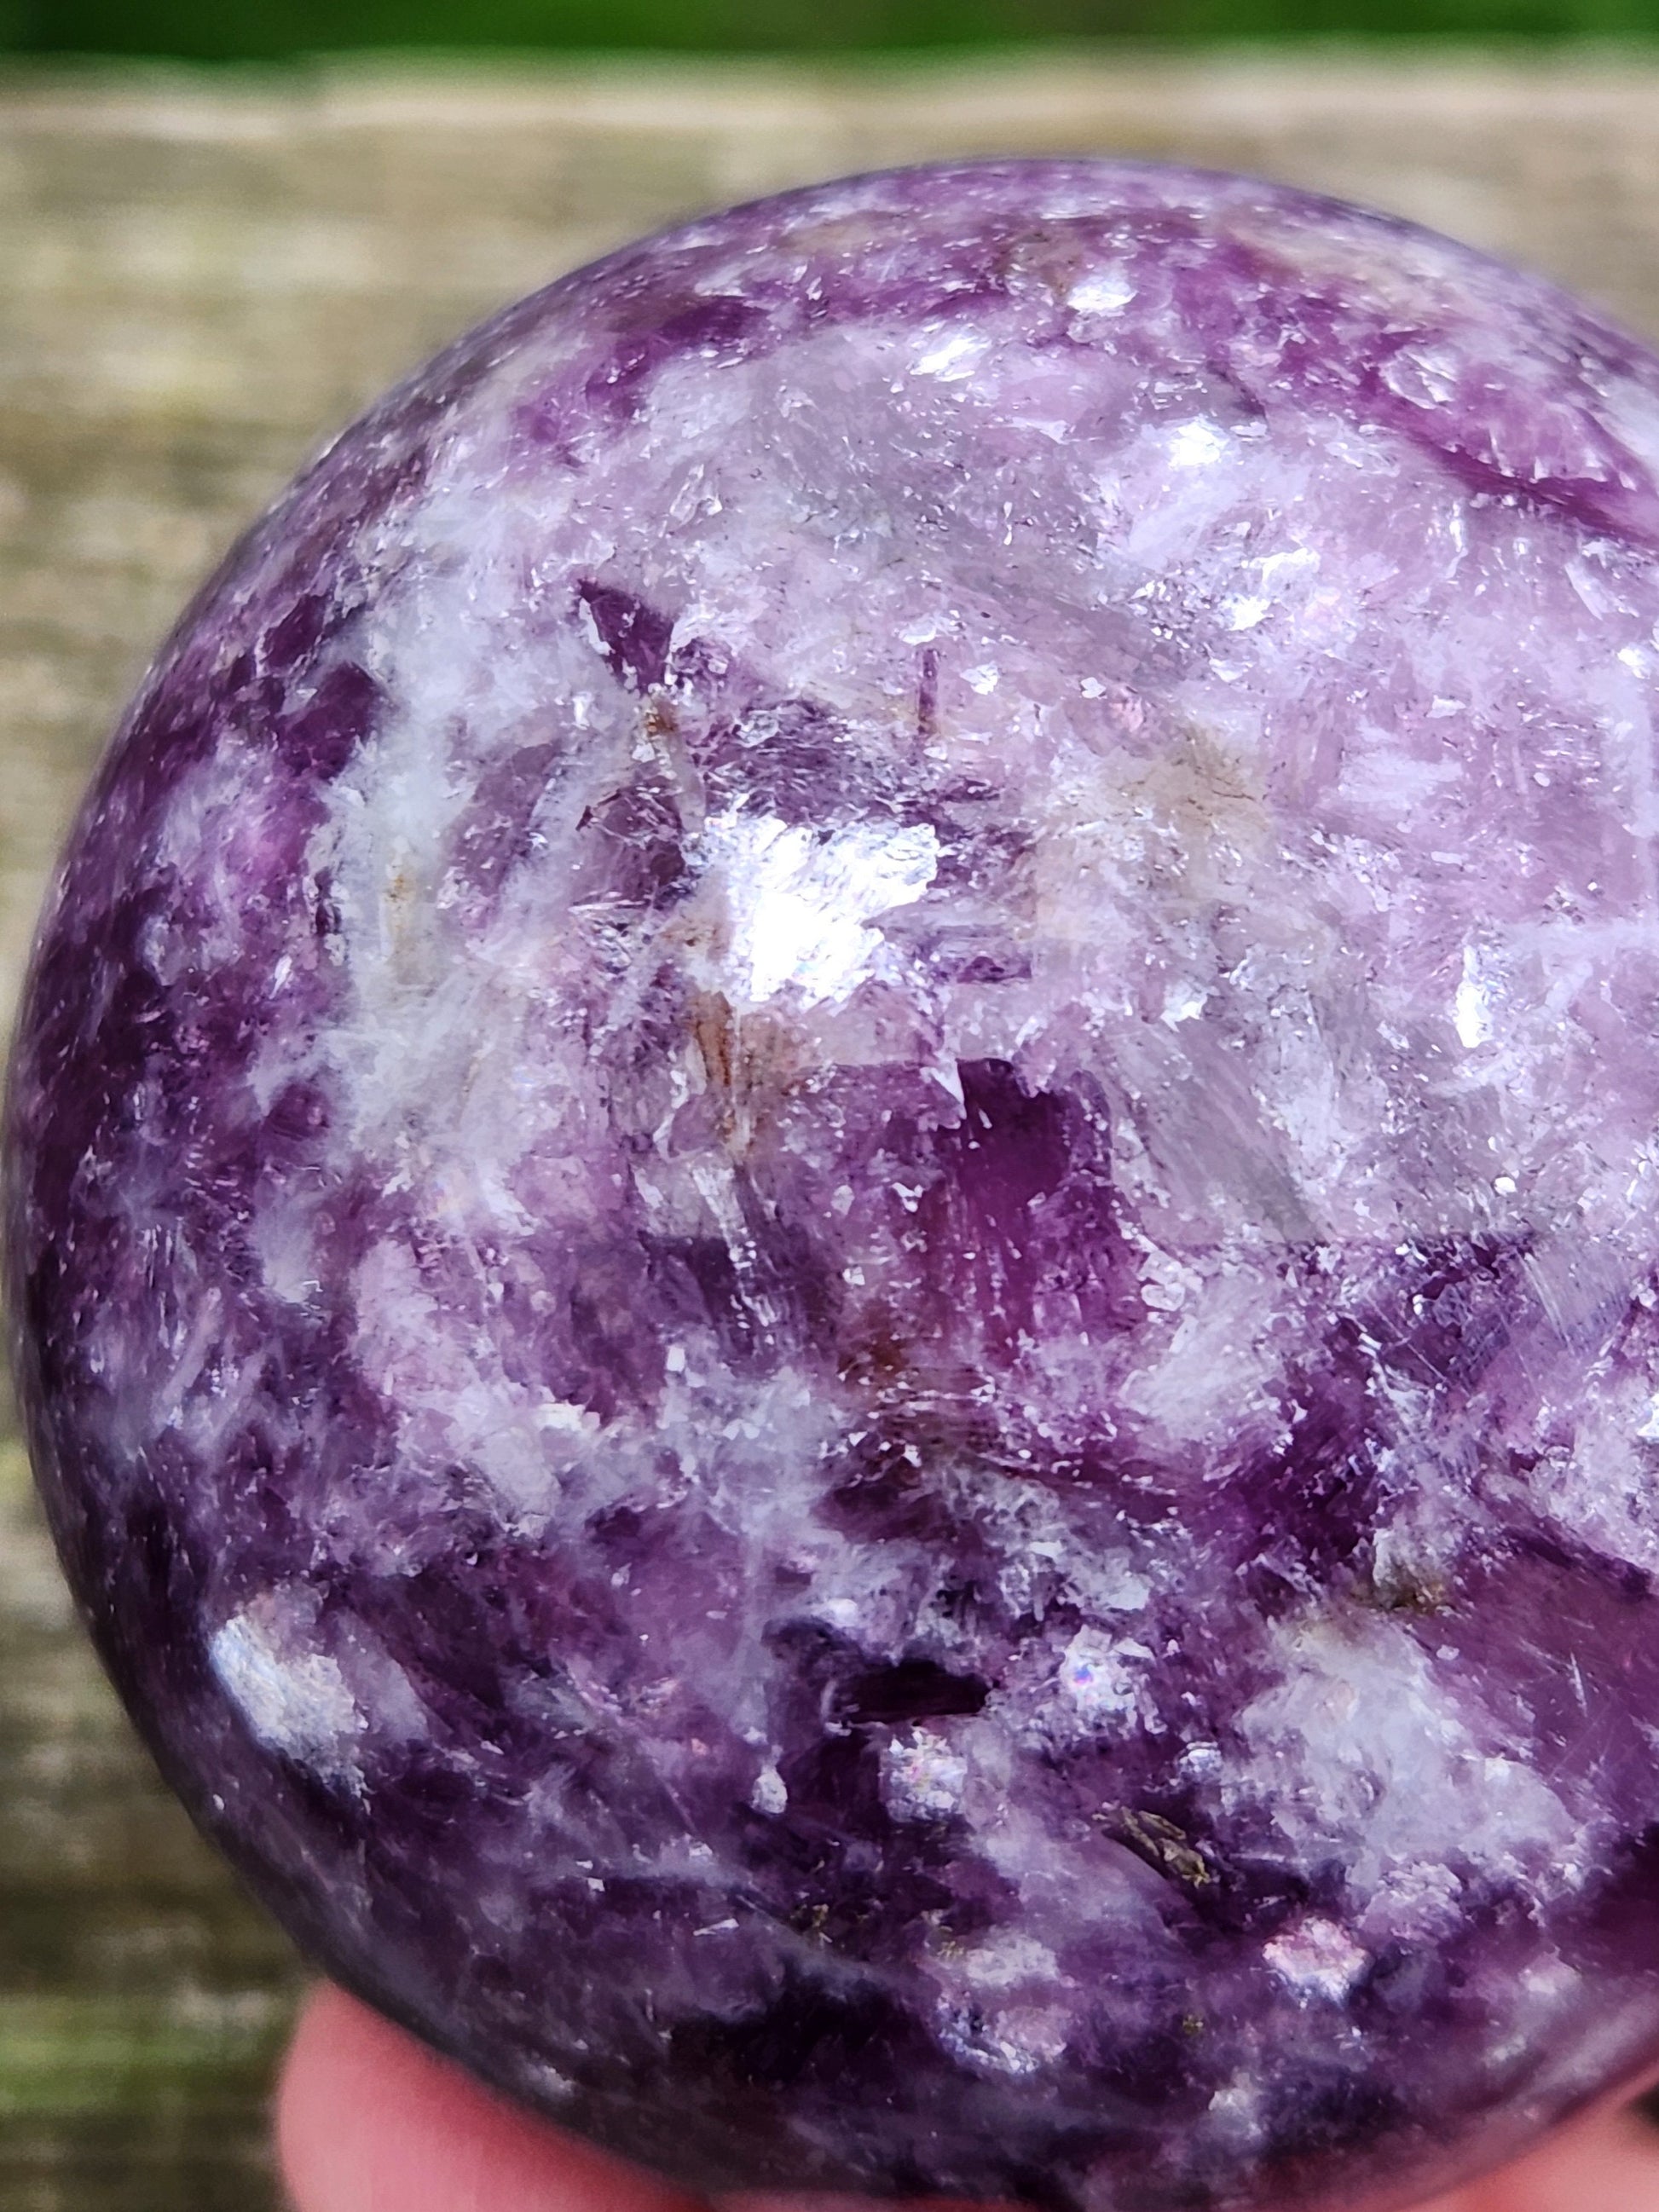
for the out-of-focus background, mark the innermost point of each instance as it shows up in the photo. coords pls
(217, 241)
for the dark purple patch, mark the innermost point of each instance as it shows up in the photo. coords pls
(633, 636)
(340, 714)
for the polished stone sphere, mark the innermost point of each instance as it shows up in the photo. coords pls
(834, 1199)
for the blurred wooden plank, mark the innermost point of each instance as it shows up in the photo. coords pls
(141, 2000)
(202, 276)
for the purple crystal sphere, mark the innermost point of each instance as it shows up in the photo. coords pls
(834, 1198)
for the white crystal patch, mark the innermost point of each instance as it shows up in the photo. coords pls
(799, 905)
(295, 1700)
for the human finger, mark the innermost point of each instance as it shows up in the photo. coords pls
(1608, 2162)
(369, 2120)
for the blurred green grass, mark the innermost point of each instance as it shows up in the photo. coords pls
(206, 30)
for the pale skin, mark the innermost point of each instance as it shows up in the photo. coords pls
(369, 2121)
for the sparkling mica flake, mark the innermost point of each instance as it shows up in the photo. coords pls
(833, 1199)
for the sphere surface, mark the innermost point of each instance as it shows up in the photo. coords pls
(834, 1198)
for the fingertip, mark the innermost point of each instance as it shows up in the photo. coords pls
(369, 2120)
(1608, 2162)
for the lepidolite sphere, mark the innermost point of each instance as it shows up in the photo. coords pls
(835, 1198)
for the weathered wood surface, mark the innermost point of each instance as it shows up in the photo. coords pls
(200, 278)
